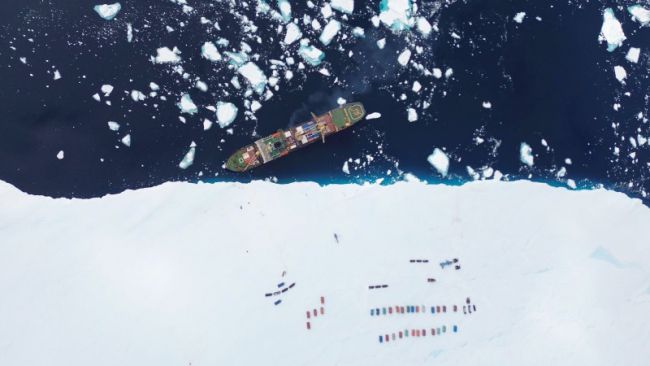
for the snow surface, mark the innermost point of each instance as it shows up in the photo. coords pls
(176, 274)
(108, 11)
(611, 31)
(440, 161)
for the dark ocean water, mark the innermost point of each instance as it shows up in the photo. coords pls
(546, 79)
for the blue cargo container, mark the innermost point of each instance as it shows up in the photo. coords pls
(381, 339)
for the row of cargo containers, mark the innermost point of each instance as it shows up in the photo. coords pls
(415, 333)
(410, 309)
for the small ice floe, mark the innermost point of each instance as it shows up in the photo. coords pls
(416, 86)
(209, 52)
(254, 75)
(396, 14)
(188, 159)
(344, 6)
(113, 126)
(526, 154)
(633, 54)
(107, 89)
(236, 59)
(381, 43)
(311, 54)
(108, 11)
(437, 73)
(285, 10)
(129, 32)
(202, 86)
(412, 115)
(373, 115)
(330, 31)
(57, 75)
(126, 140)
(346, 168)
(60, 155)
(166, 56)
(153, 86)
(440, 161)
(186, 105)
(341, 101)
(358, 32)
(226, 113)
(449, 72)
(423, 26)
(639, 14)
(611, 31)
(255, 106)
(207, 124)
(519, 17)
(620, 74)
(137, 95)
(571, 183)
(487, 105)
(404, 57)
(293, 34)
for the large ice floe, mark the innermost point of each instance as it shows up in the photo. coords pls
(108, 11)
(186, 104)
(164, 55)
(311, 54)
(396, 14)
(226, 113)
(254, 75)
(611, 31)
(640, 14)
(180, 273)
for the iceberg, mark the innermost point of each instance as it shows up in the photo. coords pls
(396, 14)
(611, 31)
(344, 6)
(188, 159)
(255, 76)
(311, 54)
(330, 31)
(108, 11)
(226, 113)
(526, 154)
(166, 56)
(209, 52)
(440, 161)
(639, 14)
(186, 105)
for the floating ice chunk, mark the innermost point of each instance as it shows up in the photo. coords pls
(97, 97)
(373, 115)
(262, 7)
(57, 75)
(412, 115)
(137, 95)
(611, 31)
(315, 24)
(129, 32)
(293, 34)
(166, 56)
(186, 105)
(209, 52)
(236, 59)
(633, 54)
(202, 86)
(437, 73)
(330, 31)
(113, 126)
(340, 101)
(285, 10)
(487, 105)
(404, 57)
(346, 168)
(620, 74)
(639, 14)
(519, 17)
(108, 11)
(571, 183)
(311, 54)
(344, 6)
(60, 155)
(440, 161)
(188, 159)
(449, 72)
(416, 86)
(423, 25)
(381, 43)
(358, 32)
(526, 154)
(126, 140)
(255, 106)
(107, 89)
(396, 14)
(207, 124)
(254, 75)
(226, 113)
(326, 10)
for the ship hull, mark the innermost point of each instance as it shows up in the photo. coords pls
(283, 142)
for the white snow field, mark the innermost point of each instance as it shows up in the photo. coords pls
(178, 273)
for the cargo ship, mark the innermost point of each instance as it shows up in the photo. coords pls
(283, 142)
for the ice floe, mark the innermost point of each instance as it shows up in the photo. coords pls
(519, 17)
(209, 52)
(126, 140)
(254, 75)
(412, 115)
(346, 168)
(188, 159)
(226, 113)
(526, 154)
(285, 10)
(633, 54)
(186, 105)
(108, 11)
(620, 73)
(396, 14)
(611, 31)
(639, 14)
(113, 126)
(404, 57)
(311, 54)
(423, 26)
(107, 89)
(330, 31)
(373, 115)
(293, 34)
(164, 55)
(60, 155)
(57, 75)
(440, 161)
(344, 6)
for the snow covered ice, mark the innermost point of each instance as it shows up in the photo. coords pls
(168, 257)
(186, 105)
(330, 31)
(396, 14)
(108, 11)
(633, 54)
(254, 75)
(209, 52)
(620, 73)
(226, 113)
(640, 14)
(311, 54)
(293, 34)
(611, 31)
(188, 159)
(164, 55)
(344, 6)
(526, 154)
(440, 161)
(373, 115)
